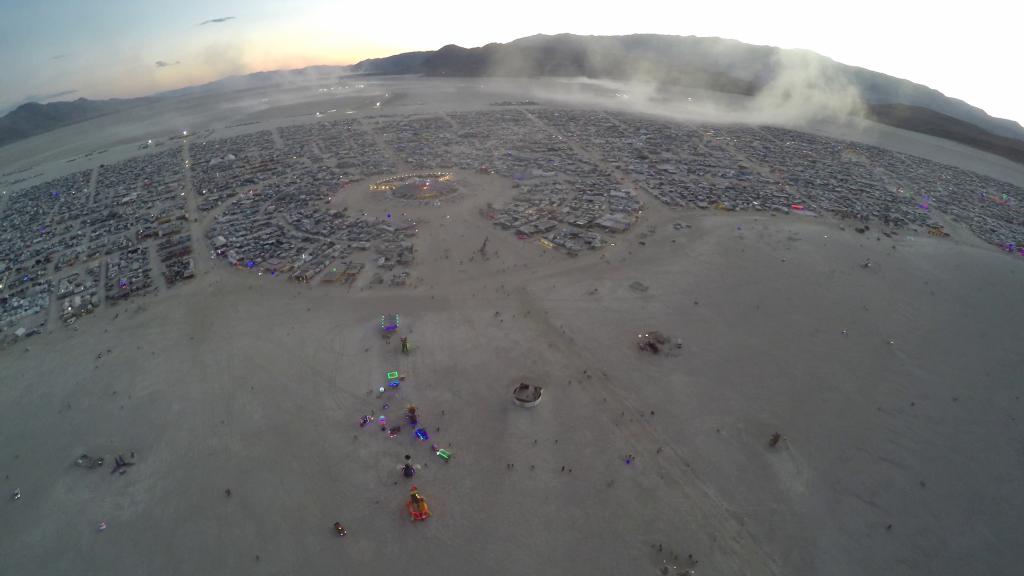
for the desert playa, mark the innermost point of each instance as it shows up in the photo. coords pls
(228, 341)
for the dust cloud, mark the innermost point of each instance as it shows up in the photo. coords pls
(724, 82)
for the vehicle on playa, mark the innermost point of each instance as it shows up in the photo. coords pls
(417, 506)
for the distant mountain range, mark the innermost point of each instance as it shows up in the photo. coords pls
(671, 62)
(774, 77)
(34, 118)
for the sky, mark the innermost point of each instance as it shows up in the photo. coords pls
(65, 49)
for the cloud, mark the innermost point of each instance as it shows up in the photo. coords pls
(216, 20)
(58, 57)
(163, 64)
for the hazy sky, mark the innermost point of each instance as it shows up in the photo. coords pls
(105, 48)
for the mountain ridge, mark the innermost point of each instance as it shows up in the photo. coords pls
(777, 79)
(33, 118)
(746, 66)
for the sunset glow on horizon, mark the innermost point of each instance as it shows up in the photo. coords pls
(65, 49)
